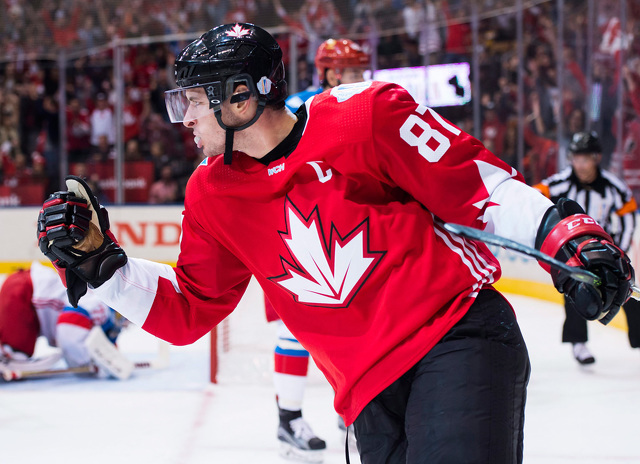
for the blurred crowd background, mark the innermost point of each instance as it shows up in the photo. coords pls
(81, 84)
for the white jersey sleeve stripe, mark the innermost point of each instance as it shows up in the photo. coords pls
(459, 251)
(134, 286)
(480, 264)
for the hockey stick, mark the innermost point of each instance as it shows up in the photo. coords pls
(575, 273)
(9, 375)
(30, 364)
(103, 353)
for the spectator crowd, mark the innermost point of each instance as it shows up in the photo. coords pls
(399, 33)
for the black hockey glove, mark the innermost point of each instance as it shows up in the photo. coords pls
(571, 236)
(73, 232)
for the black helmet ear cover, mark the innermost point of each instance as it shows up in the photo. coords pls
(240, 97)
(232, 84)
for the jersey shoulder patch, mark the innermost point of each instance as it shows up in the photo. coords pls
(344, 92)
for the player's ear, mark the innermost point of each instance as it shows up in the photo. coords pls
(241, 100)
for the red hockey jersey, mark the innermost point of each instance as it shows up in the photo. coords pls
(345, 237)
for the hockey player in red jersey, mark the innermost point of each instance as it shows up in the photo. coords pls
(338, 212)
(338, 61)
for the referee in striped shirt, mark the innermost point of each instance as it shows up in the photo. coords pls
(609, 201)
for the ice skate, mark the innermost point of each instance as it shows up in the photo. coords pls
(298, 442)
(582, 354)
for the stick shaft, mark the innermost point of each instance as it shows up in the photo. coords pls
(17, 375)
(576, 273)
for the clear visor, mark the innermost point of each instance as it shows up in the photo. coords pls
(190, 103)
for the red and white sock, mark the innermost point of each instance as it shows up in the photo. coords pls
(290, 373)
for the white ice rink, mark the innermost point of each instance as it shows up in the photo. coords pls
(174, 416)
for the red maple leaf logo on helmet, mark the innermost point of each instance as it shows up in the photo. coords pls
(238, 31)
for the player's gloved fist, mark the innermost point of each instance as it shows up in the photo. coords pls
(73, 231)
(614, 269)
(63, 219)
(571, 236)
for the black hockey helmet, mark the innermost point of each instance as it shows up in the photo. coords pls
(585, 143)
(220, 60)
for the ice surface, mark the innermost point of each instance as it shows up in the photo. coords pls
(174, 416)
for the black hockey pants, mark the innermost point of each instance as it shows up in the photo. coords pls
(462, 403)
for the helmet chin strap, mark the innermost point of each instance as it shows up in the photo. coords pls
(229, 131)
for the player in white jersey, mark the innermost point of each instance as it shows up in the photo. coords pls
(34, 303)
(608, 200)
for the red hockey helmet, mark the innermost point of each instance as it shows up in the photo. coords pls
(340, 54)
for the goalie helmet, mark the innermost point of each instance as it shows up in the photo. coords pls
(339, 54)
(585, 143)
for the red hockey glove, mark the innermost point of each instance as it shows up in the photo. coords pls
(73, 232)
(571, 236)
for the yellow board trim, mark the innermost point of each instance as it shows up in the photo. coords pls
(8, 268)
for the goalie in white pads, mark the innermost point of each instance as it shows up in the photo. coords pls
(34, 303)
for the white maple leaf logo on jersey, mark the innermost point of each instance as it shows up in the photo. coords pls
(238, 31)
(324, 275)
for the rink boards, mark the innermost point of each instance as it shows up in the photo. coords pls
(153, 232)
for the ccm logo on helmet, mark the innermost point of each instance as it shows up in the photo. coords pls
(576, 222)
